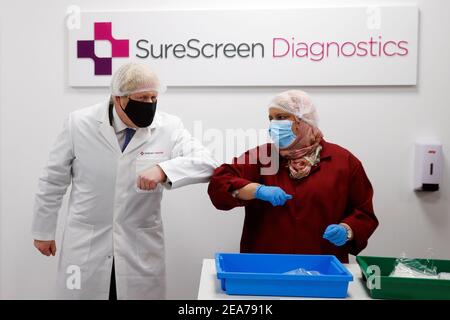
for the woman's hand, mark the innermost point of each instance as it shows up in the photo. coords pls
(275, 195)
(337, 234)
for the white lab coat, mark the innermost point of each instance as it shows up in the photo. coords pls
(107, 216)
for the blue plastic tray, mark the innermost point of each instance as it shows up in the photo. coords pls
(264, 274)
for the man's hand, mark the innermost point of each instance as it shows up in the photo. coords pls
(149, 179)
(47, 248)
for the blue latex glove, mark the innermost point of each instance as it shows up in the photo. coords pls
(275, 195)
(336, 234)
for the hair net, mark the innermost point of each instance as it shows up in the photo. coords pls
(298, 103)
(133, 78)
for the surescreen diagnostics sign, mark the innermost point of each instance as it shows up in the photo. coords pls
(310, 46)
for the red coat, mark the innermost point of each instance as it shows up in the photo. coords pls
(337, 190)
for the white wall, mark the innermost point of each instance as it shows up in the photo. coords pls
(378, 124)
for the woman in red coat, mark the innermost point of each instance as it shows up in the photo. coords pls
(301, 194)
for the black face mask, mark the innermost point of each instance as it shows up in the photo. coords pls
(141, 113)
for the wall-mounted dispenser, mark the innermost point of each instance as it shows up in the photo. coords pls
(428, 166)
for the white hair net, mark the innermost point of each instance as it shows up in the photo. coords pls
(298, 103)
(133, 78)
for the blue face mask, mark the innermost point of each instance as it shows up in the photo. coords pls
(281, 132)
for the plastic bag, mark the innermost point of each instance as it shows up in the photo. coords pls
(414, 268)
(444, 275)
(303, 272)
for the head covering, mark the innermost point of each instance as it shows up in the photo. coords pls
(134, 78)
(304, 152)
(298, 103)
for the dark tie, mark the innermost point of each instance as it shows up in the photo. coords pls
(128, 135)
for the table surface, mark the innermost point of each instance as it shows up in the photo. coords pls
(209, 288)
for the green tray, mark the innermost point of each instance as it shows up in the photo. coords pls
(405, 288)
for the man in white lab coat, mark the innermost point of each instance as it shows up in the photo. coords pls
(117, 155)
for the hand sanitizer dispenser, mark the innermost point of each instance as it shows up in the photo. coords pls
(428, 166)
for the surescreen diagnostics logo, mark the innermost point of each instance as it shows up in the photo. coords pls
(281, 48)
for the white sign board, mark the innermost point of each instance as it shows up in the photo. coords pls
(298, 47)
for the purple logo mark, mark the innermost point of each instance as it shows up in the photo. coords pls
(119, 48)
